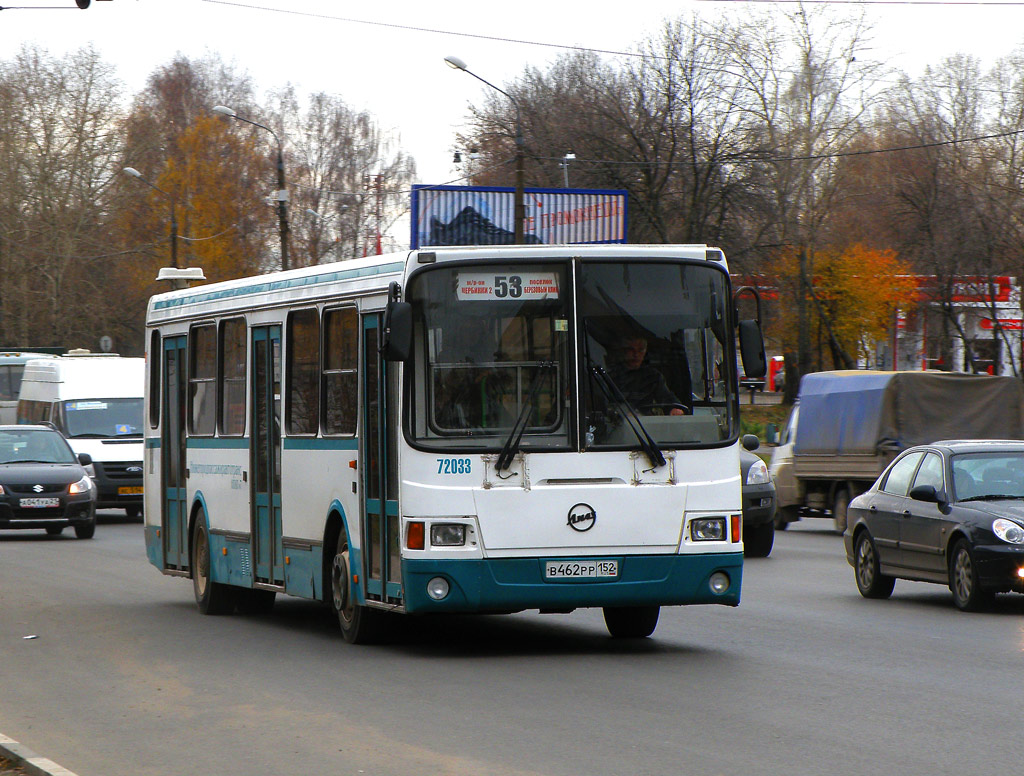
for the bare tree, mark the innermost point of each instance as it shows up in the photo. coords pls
(350, 179)
(57, 155)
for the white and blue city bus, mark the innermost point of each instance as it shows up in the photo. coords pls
(453, 430)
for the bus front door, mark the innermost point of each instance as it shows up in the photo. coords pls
(265, 455)
(174, 516)
(381, 535)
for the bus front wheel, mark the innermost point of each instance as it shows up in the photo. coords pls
(211, 597)
(359, 624)
(631, 622)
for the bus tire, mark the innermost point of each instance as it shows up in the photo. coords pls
(359, 624)
(211, 597)
(631, 622)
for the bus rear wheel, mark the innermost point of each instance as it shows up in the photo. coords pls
(359, 624)
(631, 622)
(211, 597)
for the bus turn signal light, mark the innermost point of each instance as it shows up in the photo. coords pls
(415, 536)
(735, 529)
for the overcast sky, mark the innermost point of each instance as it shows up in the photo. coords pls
(381, 65)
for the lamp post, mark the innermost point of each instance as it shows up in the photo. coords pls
(174, 217)
(564, 164)
(282, 193)
(519, 210)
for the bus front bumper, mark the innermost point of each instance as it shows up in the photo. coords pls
(514, 584)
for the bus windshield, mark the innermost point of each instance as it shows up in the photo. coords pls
(657, 349)
(498, 355)
(492, 347)
(102, 418)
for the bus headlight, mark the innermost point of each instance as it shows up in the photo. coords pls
(437, 588)
(448, 534)
(707, 529)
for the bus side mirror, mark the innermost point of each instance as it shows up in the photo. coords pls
(397, 342)
(755, 364)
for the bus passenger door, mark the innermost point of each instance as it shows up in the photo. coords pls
(265, 455)
(174, 517)
(381, 538)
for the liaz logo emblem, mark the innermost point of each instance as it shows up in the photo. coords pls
(582, 517)
(133, 469)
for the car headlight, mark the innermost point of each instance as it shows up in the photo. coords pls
(84, 485)
(1008, 530)
(757, 473)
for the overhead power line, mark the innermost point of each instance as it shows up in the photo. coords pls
(873, 2)
(435, 31)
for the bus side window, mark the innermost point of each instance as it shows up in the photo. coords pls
(155, 354)
(341, 358)
(232, 377)
(202, 379)
(303, 373)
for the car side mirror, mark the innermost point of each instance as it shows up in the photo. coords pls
(750, 442)
(927, 493)
(85, 459)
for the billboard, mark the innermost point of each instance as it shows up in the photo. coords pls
(483, 215)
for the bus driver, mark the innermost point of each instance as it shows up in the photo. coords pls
(642, 384)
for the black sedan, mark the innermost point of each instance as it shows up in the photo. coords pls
(950, 512)
(42, 483)
(758, 501)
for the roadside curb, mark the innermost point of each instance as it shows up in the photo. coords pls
(29, 760)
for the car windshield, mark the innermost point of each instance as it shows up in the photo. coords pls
(33, 446)
(102, 418)
(981, 476)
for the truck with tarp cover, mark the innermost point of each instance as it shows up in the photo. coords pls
(847, 426)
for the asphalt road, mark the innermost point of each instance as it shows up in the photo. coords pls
(125, 678)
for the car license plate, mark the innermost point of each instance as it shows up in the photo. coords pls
(37, 503)
(581, 569)
(135, 490)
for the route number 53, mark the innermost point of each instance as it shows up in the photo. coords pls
(511, 286)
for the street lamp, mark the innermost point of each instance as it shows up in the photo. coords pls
(564, 164)
(519, 211)
(174, 217)
(281, 195)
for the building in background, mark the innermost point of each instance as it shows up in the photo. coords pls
(965, 324)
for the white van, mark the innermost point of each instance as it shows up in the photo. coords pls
(95, 400)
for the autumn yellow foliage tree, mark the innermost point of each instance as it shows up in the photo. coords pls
(852, 295)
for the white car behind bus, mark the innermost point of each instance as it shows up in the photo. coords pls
(95, 401)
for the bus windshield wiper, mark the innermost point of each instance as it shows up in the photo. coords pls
(615, 395)
(511, 446)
